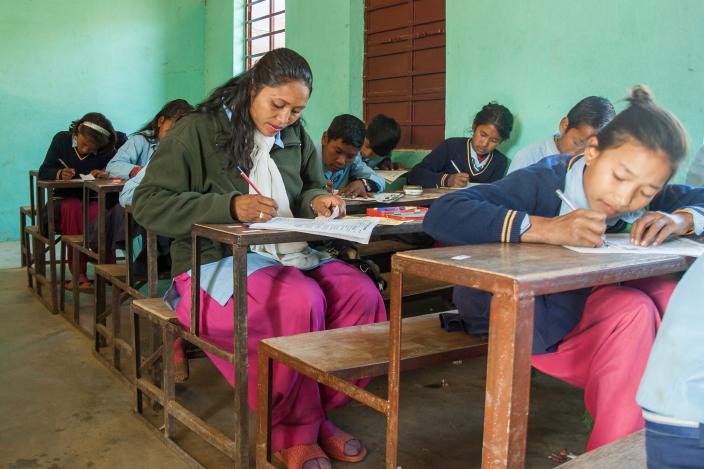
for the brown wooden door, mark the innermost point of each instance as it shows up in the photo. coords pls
(404, 67)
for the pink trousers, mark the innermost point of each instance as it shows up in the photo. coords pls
(71, 223)
(285, 301)
(606, 353)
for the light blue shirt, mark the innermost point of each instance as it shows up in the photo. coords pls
(695, 176)
(136, 151)
(574, 191)
(673, 383)
(533, 153)
(356, 170)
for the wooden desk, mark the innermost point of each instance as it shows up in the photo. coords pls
(426, 199)
(47, 237)
(101, 187)
(240, 237)
(515, 275)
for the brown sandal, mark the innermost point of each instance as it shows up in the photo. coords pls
(296, 456)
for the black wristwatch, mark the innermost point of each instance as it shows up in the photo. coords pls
(367, 186)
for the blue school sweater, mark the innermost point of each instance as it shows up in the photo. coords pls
(496, 212)
(436, 167)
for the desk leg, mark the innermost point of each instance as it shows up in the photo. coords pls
(102, 248)
(239, 254)
(395, 336)
(52, 253)
(507, 381)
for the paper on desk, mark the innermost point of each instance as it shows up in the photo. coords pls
(390, 175)
(381, 220)
(620, 244)
(358, 231)
(87, 177)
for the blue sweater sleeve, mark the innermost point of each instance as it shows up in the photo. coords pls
(431, 172)
(494, 212)
(359, 170)
(135, 152)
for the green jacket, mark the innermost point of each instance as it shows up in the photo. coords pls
(185, 183)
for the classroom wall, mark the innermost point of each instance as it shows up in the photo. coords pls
(224, 42)
(330, 35)
(540, 58)
(64, 58)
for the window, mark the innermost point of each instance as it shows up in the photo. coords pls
(266, 28)
(404, 67)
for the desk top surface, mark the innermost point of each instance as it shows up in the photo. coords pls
(105, 185)
(241, 235)
(536, 264)
(427, 198)
(53, 184)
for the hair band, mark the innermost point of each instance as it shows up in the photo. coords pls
(96, 127)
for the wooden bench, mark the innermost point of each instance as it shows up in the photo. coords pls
(28, 212)
(335, 356)
(159, 314)
(625, 453)
(73, 243)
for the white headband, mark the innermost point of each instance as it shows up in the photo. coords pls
(96, 127)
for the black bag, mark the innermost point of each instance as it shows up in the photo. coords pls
(347, 252)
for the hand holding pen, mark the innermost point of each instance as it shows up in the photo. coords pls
(250, 208)
(572, 207)
(458, 179)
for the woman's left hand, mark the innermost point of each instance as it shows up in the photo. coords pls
(99, 174)
(325, 204)
(655, 227)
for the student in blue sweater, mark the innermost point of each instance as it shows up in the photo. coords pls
(476, 158)
(597, 339)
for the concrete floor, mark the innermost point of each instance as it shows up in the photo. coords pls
(60, 408)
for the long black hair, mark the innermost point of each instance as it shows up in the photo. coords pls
(172, 109)
(275, 68)
(647, 123)
(103, 141)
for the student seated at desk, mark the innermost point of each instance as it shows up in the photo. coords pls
(253, 121)
(140, 146)
(695, 175)
(129, 162)
(597, 339)
(458, 161)
(585, 119)
(382, 135)
(343, 165)
(672, 390)
(85, 148)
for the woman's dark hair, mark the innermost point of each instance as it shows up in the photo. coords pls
(383, 133)
(648, 124)
(275, 68)
(347, 128)
(98, 135)
(497, 115)
(173, 109)
(593, 111)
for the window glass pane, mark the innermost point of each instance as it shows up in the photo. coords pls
(279, 5)
(260, 27)
(279, 40)
(260, 45)
(260, 9)
(279, 22)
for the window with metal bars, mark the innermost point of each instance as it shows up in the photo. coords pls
(404, 67)
(266, 28)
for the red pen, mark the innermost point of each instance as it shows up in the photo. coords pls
(244, 176)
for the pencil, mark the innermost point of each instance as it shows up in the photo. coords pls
(244, 176)
(63, 163)
(456, 168)
(567, 202)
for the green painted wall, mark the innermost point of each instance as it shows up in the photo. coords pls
(330, 35)
(224, 41)
(540, 58)
(64, 58)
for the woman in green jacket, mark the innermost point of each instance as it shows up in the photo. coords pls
(253, 121)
